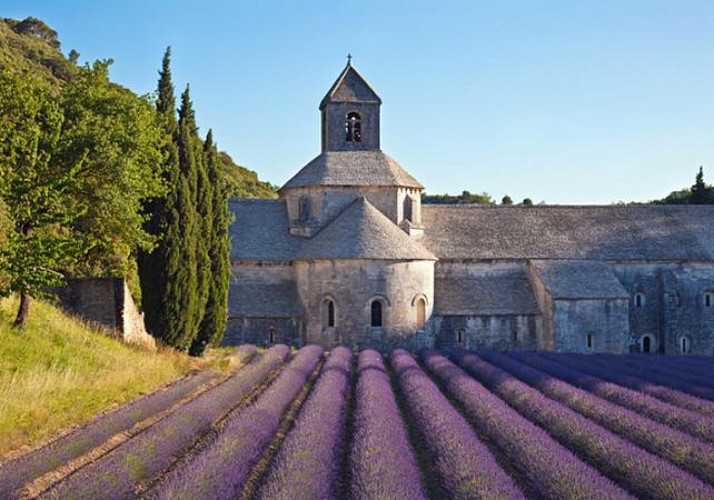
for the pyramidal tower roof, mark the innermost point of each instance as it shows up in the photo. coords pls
(350, 86)
(353, 168)
(361, 231)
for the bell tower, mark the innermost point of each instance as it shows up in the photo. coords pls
(350, 114)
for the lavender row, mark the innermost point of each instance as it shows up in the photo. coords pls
(552, 470)
(681, 365)
(632, 468)
(691, 374)
(682, 383)
(308, 463)
(683, 420)
(222, 468)
(608, 370)
(148, 454)
(679, 448)
(465, 466)
(382, 463)
(15, 474)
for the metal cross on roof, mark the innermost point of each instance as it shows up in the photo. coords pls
(349, 58)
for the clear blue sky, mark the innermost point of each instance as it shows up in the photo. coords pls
(573, 102)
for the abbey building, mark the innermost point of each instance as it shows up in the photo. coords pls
(349, 255)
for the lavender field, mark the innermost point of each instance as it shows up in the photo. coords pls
(308, 423)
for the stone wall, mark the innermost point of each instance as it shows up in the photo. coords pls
(334, 116)
(501, 333)
(605, 319)
(674, 305)
(263, 331)
(327, 202)
(107, 302)
(353, 285)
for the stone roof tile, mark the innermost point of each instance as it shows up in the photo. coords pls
(352, 168)
(504, 292)
(350, 86)
(627, 233)
(260, 231)
(363, 232)
(569, 279)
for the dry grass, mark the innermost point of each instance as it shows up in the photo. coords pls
(58, 372)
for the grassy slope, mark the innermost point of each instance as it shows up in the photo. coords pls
(58, 372)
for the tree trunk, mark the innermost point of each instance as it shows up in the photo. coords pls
(23, 311)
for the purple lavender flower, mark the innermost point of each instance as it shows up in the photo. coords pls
(465, 466)
(221, 469)
(679, 418)
(612, 371)
(382, 463)
(679, 448)
(552, 470)
(116, 474)
(636, 470)
(308, 463)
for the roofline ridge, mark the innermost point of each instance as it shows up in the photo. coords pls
(341, 78)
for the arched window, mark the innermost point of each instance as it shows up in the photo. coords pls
(328, 313)
(639, 299)
(420, 313)
(353, 127)
(647, 341)
(376, 313)
(460, 336)
(271, 335)
(590, 340)
(408, 208)
(709, 299)
(685, 345)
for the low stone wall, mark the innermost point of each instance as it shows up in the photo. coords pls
(106, 302)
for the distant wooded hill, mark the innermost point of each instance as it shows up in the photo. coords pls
(30, 45)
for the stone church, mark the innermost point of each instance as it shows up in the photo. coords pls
(349, 255)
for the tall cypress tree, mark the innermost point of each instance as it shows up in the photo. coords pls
(183, 263)
(213, 324)
(168, 273)
(153, 265)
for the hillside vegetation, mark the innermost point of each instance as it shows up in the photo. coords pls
(96, 181)
(58, 372)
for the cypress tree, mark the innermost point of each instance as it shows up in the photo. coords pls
(213, 324)
(203, 196)
(160, 215)
(169, 273)
(183, 263)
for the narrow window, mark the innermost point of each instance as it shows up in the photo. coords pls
(646, 344)
(304, 208)
(590, 341)
(328, 313)
(376, 314)
(408, 208)
(639, 299)
(708, 299)
(353, 127)
(684, 345)
(420, 313)
(460, 336)
(271, 335)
